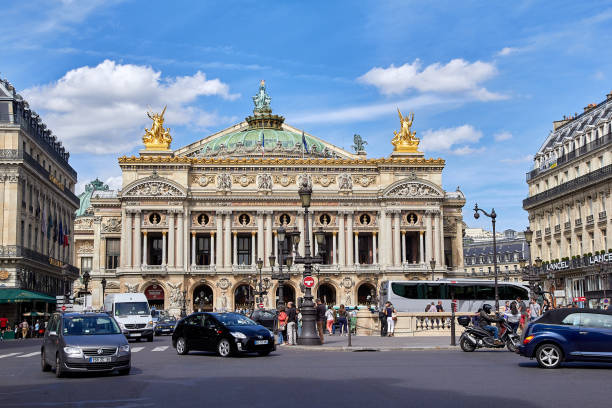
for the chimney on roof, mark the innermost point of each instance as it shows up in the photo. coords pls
(589, 107)
(609, 96)
(558, 123)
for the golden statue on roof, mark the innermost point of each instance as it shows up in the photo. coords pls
(405, 140)
(158, 138)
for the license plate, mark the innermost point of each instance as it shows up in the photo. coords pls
(260, 342)
(166, 330)
(135, 334)
(99, 359)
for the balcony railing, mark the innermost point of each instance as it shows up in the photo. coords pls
(154, 268)
(242, 269)
(602, 215)
(557, 228)
(547, 231)
(579, 182)
(589, 147)
(539, 234)
(18, 251)
(567, 225)
(203, 268)
(589, 219)
(29, 160)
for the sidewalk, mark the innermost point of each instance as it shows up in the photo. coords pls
(377, 343)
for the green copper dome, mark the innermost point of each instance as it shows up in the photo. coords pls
(269, 138)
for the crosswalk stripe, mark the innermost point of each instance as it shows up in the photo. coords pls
(30, 354)
(160, 348)
(136, 349)
(9, 355)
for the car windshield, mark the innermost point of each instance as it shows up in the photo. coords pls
(89, 326)
(131, 308)
(167, 320)
(235, 319)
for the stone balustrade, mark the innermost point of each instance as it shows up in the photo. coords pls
(410, 324)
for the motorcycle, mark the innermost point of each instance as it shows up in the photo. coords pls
(476, 337)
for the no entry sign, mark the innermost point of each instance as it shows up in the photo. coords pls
(309, 281)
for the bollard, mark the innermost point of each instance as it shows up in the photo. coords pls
(453, 307)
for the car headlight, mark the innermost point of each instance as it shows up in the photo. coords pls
(238, 335)
(121, 326)
(73, 351)
(125, 348)
(149, 325)
(271, 333)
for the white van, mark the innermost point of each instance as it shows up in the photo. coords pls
(131, 311)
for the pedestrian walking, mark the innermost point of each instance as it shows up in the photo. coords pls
(282, 325)
(342, 315)
(391, 318)
(440, 309)
(299, 325)
(36, 329)
(522, 308)
(321, 309)
(534, 310)
(24, 328)
(513, 316)
(330, 316)
(3, 327)
(292, 320)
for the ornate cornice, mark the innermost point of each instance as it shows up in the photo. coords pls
(284, 161)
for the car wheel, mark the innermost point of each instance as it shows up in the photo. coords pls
(264, 353)
(466, 345)
(43, 363)
(181, 346)
(125, 371)
(549, 356)
(59, 373)
(224, 348)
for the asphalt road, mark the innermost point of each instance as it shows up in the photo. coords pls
(293, 378)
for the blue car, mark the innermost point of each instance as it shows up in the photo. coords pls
(569, 335)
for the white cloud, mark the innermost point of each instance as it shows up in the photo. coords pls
(456, 76)
(102, 109)
(524, 159)
(503, 135)
(504, 52)
(452, 140)
(114, 182)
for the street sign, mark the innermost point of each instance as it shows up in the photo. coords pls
(64, 308)
(309, 281)
(260, 305)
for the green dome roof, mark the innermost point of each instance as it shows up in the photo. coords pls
(253, 137)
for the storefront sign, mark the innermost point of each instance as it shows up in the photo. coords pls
(559, 293)
(557, 266)
(603, 258)
(580, 299)
(4, 275)
(154, 292)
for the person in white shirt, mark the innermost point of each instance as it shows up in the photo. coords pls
(329, 314)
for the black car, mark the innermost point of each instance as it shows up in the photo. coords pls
(80, 342)
(165, 325)
(266, 318)
(224, 333)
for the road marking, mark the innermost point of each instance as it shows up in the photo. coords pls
(30, 354)
(9, 355)
(160, 348)
(136, 349)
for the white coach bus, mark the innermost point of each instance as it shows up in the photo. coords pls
(471, 294)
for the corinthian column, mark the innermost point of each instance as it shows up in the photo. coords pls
(138, 240)
(428, 237)
(128, 244)
(164, 252)
(437, 241)
(180, 241)
(404, 257)
(341, 236)
(374, 255)
(171, 239)
(356, 253)
(235, 249)
(253, 249)
(227, 241)
(335, 248)
(349, 237)
(260, 235)
(421, 248)
(212, 248)
(219, 239)
(123, 253)
(396, 239)
(268, 247)
(193, 248)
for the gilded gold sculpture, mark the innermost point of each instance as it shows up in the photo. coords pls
(405, 140)
(158, 138)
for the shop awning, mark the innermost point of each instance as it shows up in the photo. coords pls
(9, 295)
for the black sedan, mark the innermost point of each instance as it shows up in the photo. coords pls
(224, 333)
(266, 318)
(165, 325)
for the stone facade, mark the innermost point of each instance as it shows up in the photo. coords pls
(194, 224)
(569, 202)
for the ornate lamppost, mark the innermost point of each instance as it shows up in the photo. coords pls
(493, 216)
(280, 276)
(86, 278)
(432, 265)
(103, 283)
(309, 335)
(261, 292)
(184, 305)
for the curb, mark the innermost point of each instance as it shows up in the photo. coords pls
(365, 348)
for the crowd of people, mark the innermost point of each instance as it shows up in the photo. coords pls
(22, 330)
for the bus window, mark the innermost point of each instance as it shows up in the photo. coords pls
(406, 290)
(432, 291)
(464, 292)
(485, 292)
(512, 292)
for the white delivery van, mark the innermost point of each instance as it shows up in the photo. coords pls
(131, 311)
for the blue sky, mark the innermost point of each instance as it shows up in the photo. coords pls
(485, 81)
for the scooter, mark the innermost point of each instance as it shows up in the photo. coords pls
(476, 337)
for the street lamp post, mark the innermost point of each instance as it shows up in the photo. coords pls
(432, 265)
(604, 279)
(103, 283)
(493, 216)
(261, 292)
(309, 335)
(184, 306)
(282, 258)
(86, 278)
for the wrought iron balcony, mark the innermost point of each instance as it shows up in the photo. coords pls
(244, 269)
(602, 215)
(539, 234)
(572, 185)
(567, 225)
(557, 228)
(203, 268)
(547, 231)
(578, 222)
(154, 268)
(589, 219)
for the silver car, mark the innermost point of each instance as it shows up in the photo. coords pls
(84, 342)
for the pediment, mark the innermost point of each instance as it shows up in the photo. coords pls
(154, 186)
(413, 188)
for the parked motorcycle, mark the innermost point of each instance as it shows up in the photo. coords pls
(476, 337)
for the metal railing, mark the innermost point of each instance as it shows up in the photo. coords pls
(579, 182)
(590, 219)
(18, 251)
(587, 148)
(602, 215)
(567, 225)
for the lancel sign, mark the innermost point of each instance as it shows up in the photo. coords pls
(603, 258)
(557, 266)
